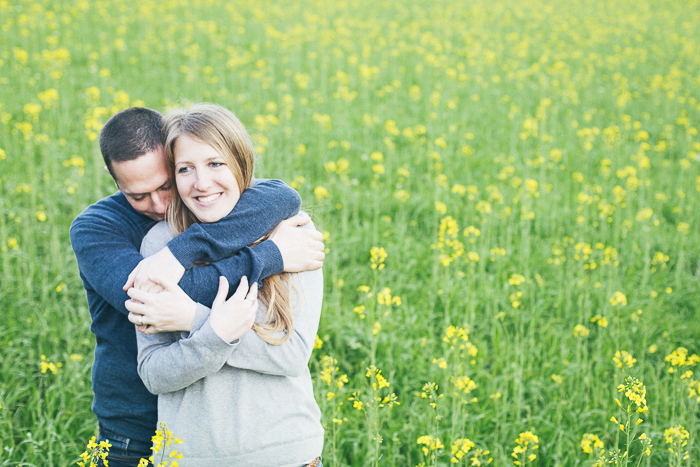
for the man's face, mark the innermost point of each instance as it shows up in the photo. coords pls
(145, 183)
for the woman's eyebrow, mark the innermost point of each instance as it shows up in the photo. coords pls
(209, 159)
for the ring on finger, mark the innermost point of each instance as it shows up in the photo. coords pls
(141, 320)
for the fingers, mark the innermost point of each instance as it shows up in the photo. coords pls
(297, 220)
(165, 282)
(316, 235)
(134, 306)
(147, 330)
(138, 295)
(242, 289)
(253, 292)
(221, 294)
(136, 318)
(149, 286)
(130, 279)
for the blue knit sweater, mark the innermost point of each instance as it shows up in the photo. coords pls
(106, 239)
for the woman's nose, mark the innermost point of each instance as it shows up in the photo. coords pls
(203, 182)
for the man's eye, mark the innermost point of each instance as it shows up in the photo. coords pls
(165, 187)
(140, 198)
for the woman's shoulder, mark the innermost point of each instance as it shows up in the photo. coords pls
(156, 238)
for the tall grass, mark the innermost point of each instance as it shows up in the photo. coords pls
(555, 143)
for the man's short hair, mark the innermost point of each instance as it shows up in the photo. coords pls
(129, 134)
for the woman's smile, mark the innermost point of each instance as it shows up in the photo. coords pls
(204, 181)
(208, 199)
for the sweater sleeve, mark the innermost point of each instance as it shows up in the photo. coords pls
(168, 363)
(256, 263)
(241, 227)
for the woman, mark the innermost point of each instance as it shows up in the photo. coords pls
(236, 389)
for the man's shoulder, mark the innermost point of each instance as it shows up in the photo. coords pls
(115, 203)
(111, 212)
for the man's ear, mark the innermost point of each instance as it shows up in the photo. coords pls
(110, 174)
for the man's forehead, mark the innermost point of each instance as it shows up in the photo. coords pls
(142, 175)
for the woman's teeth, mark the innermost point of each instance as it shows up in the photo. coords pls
(208, 199)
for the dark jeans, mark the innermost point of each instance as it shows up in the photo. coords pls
(124, 452)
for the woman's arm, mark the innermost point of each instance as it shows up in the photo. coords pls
(167, 362)
(292, 357)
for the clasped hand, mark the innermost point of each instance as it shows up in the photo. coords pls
(232, 318)
(167, 308)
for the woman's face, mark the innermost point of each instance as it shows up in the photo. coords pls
(205, 183)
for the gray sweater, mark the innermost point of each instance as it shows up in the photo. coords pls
(244, 403)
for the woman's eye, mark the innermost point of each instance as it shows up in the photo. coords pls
(217, 164)
(183, 170)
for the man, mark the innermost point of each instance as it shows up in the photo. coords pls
(106, 238)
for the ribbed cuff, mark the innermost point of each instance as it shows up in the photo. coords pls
(270, 258)
(201, 315)
(213, 342)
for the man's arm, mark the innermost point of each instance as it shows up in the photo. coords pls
(105, 245)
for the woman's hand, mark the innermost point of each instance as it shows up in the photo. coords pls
(169, 310)
(232, 318)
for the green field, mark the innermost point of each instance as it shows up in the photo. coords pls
(531, 170)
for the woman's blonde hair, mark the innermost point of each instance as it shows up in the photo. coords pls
(220, 128)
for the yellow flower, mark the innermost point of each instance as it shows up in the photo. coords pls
(624, 358)
(581, 331)
(591, 443)
(618, 298)
(320, 192)
(377, 257)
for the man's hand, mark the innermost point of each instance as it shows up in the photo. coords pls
(232, 318)
(169, 310)
(163, 266)
(301, 249)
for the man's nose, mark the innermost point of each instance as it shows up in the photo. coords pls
(160, 201)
